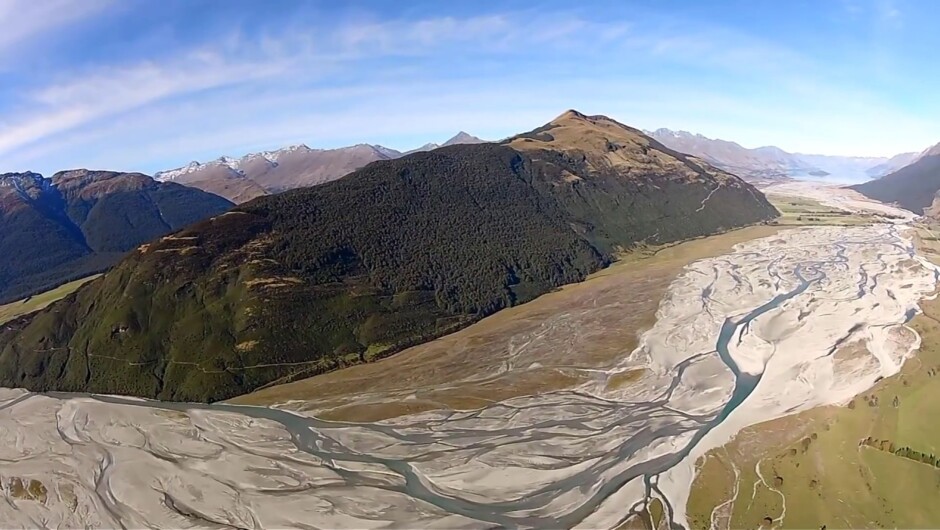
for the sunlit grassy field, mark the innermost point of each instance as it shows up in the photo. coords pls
(35, 303)
(816, 472)
(805, 211)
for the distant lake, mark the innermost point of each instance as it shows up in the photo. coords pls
(835, 178)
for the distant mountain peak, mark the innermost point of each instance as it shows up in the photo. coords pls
(296, 148)
(770, 162)
(387, 151)
(571, 114)
(664, 132)
(8, 179)
(430, 146)
(933, 150)
(289, 167)
(28, 185)
(604, 144)
(573, 118)
(193, 167)
(463, 138)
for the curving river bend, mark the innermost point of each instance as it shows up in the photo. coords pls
(739, 339)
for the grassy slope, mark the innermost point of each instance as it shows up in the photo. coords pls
(828, 478)
(34, 303)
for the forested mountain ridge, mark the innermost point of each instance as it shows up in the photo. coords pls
(79, 222)
(397, 253)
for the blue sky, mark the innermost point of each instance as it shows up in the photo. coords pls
(148, 85)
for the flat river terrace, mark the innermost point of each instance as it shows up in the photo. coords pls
(753, 335)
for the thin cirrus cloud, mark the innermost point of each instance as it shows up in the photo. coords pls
(406, 81)
(273, 63)
(23, 20)
(61, 107)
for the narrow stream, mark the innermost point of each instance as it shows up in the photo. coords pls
(306, 435)
(605, 476)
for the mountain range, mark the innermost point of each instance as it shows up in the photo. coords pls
(256, 174)
(397, 253)
(915, 186)
(894, 163)
(772, 163)
(80, 222)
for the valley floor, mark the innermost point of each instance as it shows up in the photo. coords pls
(847, 466)
(769, 332)
(35, 303)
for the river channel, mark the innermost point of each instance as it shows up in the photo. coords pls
(739, 339)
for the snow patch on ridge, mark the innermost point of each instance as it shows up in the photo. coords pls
(272, 157)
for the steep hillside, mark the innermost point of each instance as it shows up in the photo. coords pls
(893, 164)
(80, 222)
(912, 187)
(257, 174)
(401, 251)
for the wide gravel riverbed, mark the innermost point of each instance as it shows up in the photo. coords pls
(739, 339)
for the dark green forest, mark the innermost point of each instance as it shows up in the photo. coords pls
(395, 254)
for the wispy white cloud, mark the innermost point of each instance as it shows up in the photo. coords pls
(880, 12)
(889, 11)
(392, 37)
(85, 97)
(25, 19)
(399, 81)
(110, 91)
(851, 7)
(403, 114)
(492, 32)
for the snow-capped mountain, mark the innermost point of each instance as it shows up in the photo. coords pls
(235, 164)
(242, 179)
(28, 186)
